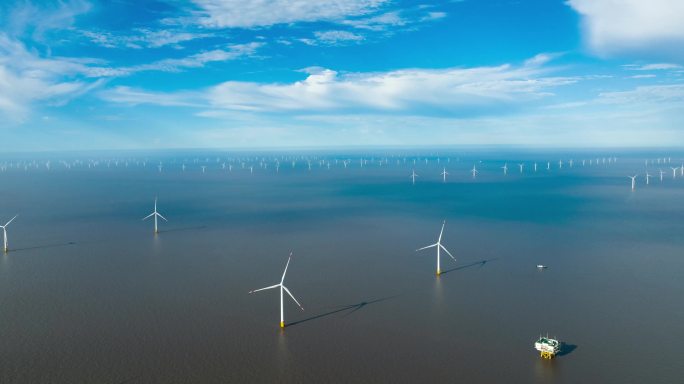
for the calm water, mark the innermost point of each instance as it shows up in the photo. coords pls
(89, 295)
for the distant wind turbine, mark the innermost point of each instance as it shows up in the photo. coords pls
(439, 246)
(282, 288)
(444, 175)
(633, 180)
(521, 165)
(505, 168)
(155, 214)
(413, 176)
(474, 171)
(4, 234)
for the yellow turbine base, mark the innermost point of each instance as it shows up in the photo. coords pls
(282, 324)
(439, 272)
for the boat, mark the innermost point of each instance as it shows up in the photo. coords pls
(541, 266)
(547, 347)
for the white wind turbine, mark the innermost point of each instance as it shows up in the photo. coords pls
(439, 246)
(413, 176)
(444, 175)
(155, 214)
(633, 180)
(674, 172)
(4, 234)
(648, 175)
(474, 171)
(282, 288)
(661, 175)
(521, 165)
(505, 168)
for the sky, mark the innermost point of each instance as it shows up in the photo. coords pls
(127, 74)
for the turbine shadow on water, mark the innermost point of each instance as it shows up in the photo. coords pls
(54, 245)
(351, 308)
(480, 263)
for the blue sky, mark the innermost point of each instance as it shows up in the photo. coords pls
(77, 74)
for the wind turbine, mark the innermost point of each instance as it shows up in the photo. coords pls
(505, 168)
(444, 175)
(4, 233)
(521, 165)
(674, 172)
(474, 171)
(282, 288)
(439, 246)
(661, 175)
(155, 214)
(413, 176)
(633, 180)
(647, 177)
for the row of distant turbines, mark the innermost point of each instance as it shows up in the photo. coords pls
(274, 162)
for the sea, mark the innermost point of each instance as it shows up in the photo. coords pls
(90, 294)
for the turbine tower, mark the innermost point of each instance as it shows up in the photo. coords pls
(4, 234)
(633, 180)
(282, 288)
(444, 175)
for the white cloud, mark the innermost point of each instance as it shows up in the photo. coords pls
(453, 89)
(379, 22)
(646, 76)
(633, 26)
(262, 13)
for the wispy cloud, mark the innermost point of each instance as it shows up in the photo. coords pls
(333, 38)
(652, 67)
(25, 78)
(653, 94)
(143, 38)
(27, 17)
(263, 13)
(231, 52)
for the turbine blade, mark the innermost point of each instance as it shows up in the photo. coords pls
(148, 216)
(15, 216)
(448, 253)
(265, 288)
(286, 265)
(159, 214)
(426, 247)
(439, 241)
(293, 298)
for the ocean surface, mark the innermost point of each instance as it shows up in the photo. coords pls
(88, 294)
